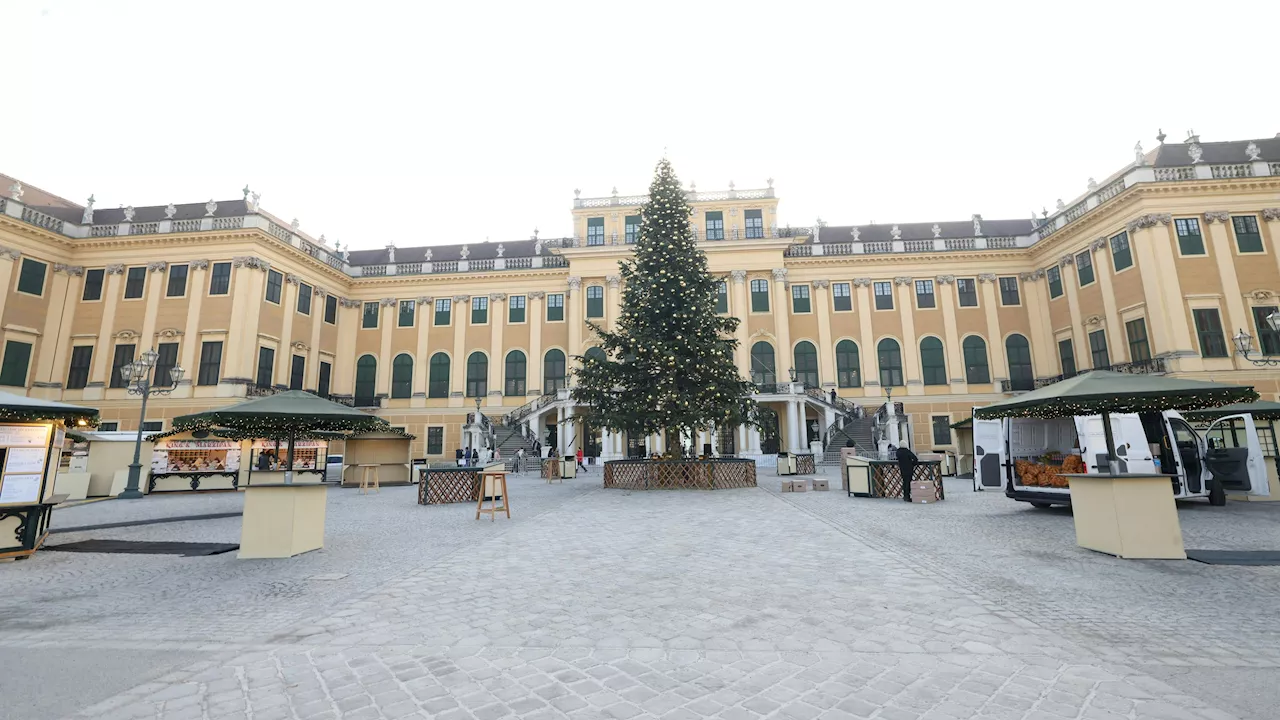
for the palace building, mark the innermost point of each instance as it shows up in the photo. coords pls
(1152, 269)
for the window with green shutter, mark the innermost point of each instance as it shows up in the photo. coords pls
(1248, 238)
(595, 231)
(632, 227)
(515, 309)
(408, 313)
(177, 286)
(369, 320)
(555, 307)
(1098, 350)
(480, 310)
(976, 370)
(31, 277)
(884, 295)
(17, 358)
(1213, 343)
(275, 286)
(266, 366)
(1139, 348)
(1009, 295)
(925, 298)
(967, 290)
(800, 299)
(304, 299)
(841, 297)
(595, 301)
(135, 283)
(1121, 253)
(1055, 281)
(1067, 357)
(933, 361)
(1084, 268)
(1268, 339)
(715, 225)
(435, 440)
(1190, 241)
(755, 224)
(941, 429)
(444, 311)
(93, 285)
(722, 297)
(81, 360)
(759, 296)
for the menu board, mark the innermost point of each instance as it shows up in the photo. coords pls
(24, 460)
(20, 489)
(24, 435)
(25, 449)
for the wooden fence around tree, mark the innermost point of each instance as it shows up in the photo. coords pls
(677, 474)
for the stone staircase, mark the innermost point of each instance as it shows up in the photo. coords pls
(509, 440)
(857, 429)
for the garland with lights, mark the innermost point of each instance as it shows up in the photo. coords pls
(1100, 391)
(669, 364)
(70, 418)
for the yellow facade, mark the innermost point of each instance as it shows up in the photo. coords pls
(217, 283)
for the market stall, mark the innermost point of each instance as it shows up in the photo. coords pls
(183, 462)
(32, 433)
(1263, 411)
(269, 460)
(385, 452)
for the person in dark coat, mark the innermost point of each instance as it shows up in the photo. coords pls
(907, 462)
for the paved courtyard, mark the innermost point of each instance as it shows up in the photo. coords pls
(676, 605)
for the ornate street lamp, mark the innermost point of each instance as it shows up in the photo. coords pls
(792, 372)
(137, 376)
(1244, 342)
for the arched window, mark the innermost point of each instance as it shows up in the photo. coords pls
(515, 374)
(402, 376)
(806, 358)
(477, 375)
(595, 354)
(553, 371)
(1021, 376)
(366, 380)
(889, 357)
(933, 361)
(847, 372)
(438, 377)
(975, 360)
(763, 369)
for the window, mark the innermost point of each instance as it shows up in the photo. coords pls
(480, 310)
(1268, 339)
(594, 354)
(275, 284)
(595, 301)
(81, 361)
(1190, 241)
(722, 297)
(553, 371)
(763, 369)
(402, 376)
(438, 376)
(755, 224)
(595, 231)
(123, 356)
(153, 426)
(331, 309)
(1018, 350)
(1084, 268)
(941, 425)
(135, 283)
(884, 295)
(555, 307)
(177, 286)
(31, 277)
(515, 309)
(369, 320)
(1248, 239)
(210, 363)
(847, 365)
(477, 375)
(108, 426)
(322, 383)
(1121, 253)
(976, 370)
(1009, 295)
(366, 381)
(1209, 328)
(924, 294)
(1055, 281)
(933, 361)
(806, 359)
(841, 298)
(304, 298)
(800, 298)
(297, 372)
(444, 311)
(1067, 358)
(1139, 349)
(632, 228)
(715, 225)
(17, 358)
(408, 310)
(759, 296)
(435, 441)
(220, 279)
(967, 291)
(266, 366)
(514, 378)
(93, 285)
(1098, 354)
(889, 358)
(166, 359)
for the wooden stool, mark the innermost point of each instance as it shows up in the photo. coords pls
(493, 489)
(364, 478)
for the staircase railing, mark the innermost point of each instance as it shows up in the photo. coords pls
(516, 416)
(845, 406)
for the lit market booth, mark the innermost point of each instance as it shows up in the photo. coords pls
(187, 461)
(1127, 514)
(32, 432)
(1234, 436)
(284, 518)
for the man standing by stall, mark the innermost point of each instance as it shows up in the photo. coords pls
(907, 462)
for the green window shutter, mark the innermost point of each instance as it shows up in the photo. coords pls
(1190, 239)
(17, 358)
(31, 277)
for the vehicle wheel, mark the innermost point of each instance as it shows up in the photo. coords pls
(1041, 505)
(1217, 496)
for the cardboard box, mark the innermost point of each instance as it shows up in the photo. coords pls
(786, 486)
(799, 486)
(820, 485)
(923, 491)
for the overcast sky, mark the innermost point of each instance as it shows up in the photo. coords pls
(432, 123)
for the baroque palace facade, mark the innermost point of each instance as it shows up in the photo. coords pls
(1154, 269)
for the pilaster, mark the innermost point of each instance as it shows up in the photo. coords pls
(104, 347)
(1224, 257)
(458, 378)
(910, 344)
(1071, 287)
(573, 302)
(343, 379)
(51, 362)
(386, 323)
(1104, 269)
(945, 290)
(995, 340)
(868, 369)
(826, 351)
(497, 356)
(738, 308)
(782, 321)
(535, 314)
(284, 354)
(197, 285)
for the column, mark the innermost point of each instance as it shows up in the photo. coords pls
(826, 351)
(497, 358)
(458, 378)
(944, 289)
(1071, 286)
(8, 259)
(1237, 317)
(386, 322)
(104, 347)
(904, 287)
(803, 413)
(793, 431)
(866, 339)
(782, 322)
(573, 305)
(535, 315)
(612, 308)
(995, 341)
(197, 284)
(1104, 270)
(284, 353)
(422, 351)
(739, 308)
(51, 362)
(240, 354)
(343, 377)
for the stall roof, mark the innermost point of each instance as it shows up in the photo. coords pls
(20, 408)
(1263, 410)
(1099, 391)
(965, 423)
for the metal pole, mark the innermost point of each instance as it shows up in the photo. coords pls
(1111, 443)
(131, 491)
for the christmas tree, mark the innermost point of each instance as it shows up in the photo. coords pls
(668, 365)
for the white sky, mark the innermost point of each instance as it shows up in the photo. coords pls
(432, 123)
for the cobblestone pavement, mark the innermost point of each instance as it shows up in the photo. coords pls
(675, 605)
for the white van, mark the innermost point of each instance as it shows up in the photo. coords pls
(1224, 457)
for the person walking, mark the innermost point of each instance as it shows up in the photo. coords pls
(907, 462)
(466, 457)
(497, 454)
(584, 467)
(519, 459)
(833, 396)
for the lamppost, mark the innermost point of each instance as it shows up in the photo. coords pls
(137, 376)
(1244, 342)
